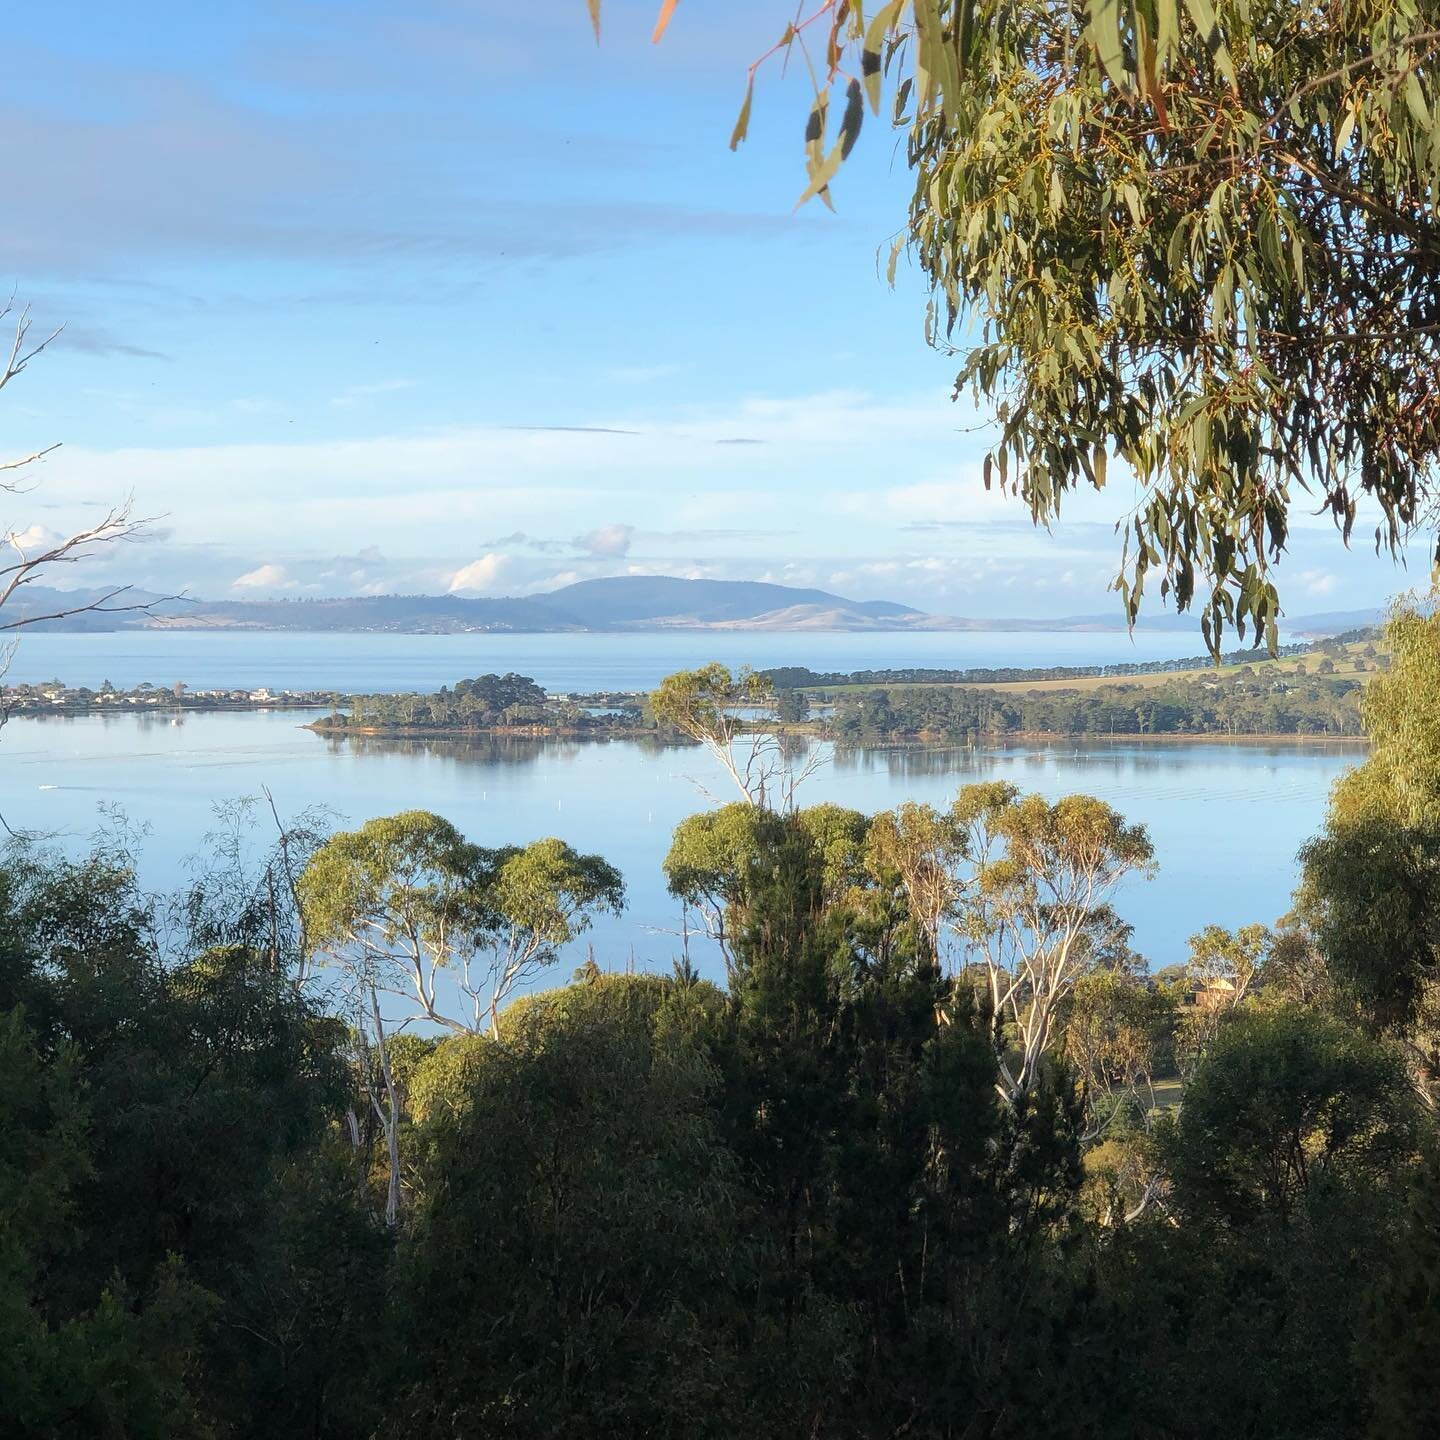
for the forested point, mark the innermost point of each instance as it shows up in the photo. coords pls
(308, 1149)
(1244, 705)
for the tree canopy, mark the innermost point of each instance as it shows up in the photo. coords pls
(1196, 237)
(879, 1183)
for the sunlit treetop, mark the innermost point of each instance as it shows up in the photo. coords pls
(1195, 237)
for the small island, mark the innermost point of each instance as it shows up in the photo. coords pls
(488, 705)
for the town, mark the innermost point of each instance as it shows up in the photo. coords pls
(55, 697)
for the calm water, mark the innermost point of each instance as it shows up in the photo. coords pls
(1226, 820)
(377, 663)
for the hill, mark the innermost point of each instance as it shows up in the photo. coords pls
(617, 603)
(663, 600)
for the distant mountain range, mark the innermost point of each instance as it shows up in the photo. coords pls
(627, 602)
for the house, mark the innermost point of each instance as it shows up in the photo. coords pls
(1217, 993)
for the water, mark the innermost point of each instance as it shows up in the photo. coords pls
(1226, 820)
(377, 663)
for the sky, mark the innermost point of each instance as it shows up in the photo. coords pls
(444, 297)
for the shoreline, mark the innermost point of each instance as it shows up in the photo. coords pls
(154, 707)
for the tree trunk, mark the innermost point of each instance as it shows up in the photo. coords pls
(392, 1119)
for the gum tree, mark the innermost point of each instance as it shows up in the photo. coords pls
(924, 848)
(1371, 880)
(718, 709)
(1196, 237)
(1032, 903)
(407, 907)
(408, 903)
(714, 857)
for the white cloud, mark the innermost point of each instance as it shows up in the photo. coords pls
(1318, 583)
(544, 583)
(483, 574)
(843, 481)
(33, 538)
(264, 577)
(610, 541)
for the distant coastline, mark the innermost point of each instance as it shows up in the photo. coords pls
(623, 604)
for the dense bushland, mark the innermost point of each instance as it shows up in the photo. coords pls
(921, 1166)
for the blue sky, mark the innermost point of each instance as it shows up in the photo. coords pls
(367, 297)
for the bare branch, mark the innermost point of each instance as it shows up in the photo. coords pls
(26, 566)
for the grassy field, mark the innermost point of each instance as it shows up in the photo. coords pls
(1343, 662)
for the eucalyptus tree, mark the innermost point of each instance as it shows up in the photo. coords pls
(1198, 237)
(544, 895)
(1021, 884)
(406, 906)
(406, 902)
(719, 709)
(398, 902)
(1223, 965)
(924, 848)
(714, 856)
(707, 869)
(1116, 1034)
(1032, 909)
(1401, 714)
(1371, 879)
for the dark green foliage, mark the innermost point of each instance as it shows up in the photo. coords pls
(488, 702)
(791, 706)
(895, 1199)
(1400, 1343)
(570, 1261)
(177, 1113)
(1239, 1308)
(798, 1208)
(802, 677)
(1258, 706)
(1374, 890)
(1288, 1107)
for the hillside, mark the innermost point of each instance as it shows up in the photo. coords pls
(663, 600)
(617, 603)
(407, 614)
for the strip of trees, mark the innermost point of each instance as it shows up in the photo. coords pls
(1245, 704)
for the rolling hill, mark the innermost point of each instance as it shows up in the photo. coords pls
(618, 603)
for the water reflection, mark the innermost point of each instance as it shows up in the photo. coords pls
(623, 798)
(967, 763)
(500, 750)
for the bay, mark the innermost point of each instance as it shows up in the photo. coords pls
(377, 663)
(1226, 819)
